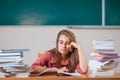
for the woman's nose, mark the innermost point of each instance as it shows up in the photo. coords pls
(64, 45)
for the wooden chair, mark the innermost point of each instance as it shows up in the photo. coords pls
(39, 55)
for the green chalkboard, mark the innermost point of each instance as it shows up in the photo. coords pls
(112, 12)
(51, 12)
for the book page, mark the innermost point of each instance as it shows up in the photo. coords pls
(69, 74)
(60, 72)
(54, 68)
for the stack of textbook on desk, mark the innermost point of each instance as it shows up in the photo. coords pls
(104, 58)
(11, 62)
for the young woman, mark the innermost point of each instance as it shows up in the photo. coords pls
(67, 56)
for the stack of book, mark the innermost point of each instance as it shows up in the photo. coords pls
(11, 61)
(104, 58)
(11, 57)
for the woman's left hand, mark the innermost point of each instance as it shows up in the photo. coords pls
(75, 45)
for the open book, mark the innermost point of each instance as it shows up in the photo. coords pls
(59, 72)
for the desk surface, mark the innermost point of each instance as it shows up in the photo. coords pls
(34, 76)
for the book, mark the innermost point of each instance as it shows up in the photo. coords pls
(103, 47)
(11, 54)
(99, 54)
(59, 72)
(105, 52)
(103, 42)
(2, 60)
(11, 64)
(13, 50)
(102, 74)
(104, 58)
(25, 74)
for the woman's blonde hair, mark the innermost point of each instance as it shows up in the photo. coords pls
(73, 56)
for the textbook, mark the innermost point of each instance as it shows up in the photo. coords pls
(12, 50)
(59, 72)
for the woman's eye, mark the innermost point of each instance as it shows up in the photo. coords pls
(61, 42)
(68, 43)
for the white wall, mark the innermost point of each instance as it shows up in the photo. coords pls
(39, 39)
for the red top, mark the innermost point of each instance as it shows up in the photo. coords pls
(47, 60)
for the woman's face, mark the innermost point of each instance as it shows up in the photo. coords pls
(64, 44)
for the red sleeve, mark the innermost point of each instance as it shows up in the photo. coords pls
(80, 71)
(42, 61)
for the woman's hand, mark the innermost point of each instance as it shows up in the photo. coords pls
(63, 69)
(74, 45)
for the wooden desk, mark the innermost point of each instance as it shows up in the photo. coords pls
(55, 77)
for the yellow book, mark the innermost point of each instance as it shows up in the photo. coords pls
(95, 54)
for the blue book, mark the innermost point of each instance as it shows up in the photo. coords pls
(13, 50)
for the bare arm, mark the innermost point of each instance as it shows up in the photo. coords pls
(82, 58)
(39, 68)
(41, 63)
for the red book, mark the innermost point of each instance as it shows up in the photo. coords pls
(104, 58)
(103, 51)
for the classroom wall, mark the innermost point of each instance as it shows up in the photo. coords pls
(40, 39)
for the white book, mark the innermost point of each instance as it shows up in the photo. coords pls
(26, 74)
(102, 74)
(10, 57)
(103, 47)
(102, 41)
(16, 70)
(2, 75)
(104, 44)
(8, 64)
(0, 50)
(13, 66)
(59, 72)
(10, 54)
(97, 63)
(11, 60)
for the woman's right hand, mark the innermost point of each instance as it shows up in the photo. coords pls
(63, 69)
